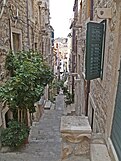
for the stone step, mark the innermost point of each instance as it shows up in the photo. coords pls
(73, 108)
(70, 109)
(47, 105)
(52, 106)
(65, 112)
(77, 158)
(99, 152)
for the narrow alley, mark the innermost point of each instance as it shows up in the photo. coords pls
(60, 80)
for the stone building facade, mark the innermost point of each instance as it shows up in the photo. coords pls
(99, 97)
(24, 25)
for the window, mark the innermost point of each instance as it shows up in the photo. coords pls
(16, 39)
(16, 42)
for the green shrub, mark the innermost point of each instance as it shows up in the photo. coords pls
(15, 134)
(29, 75)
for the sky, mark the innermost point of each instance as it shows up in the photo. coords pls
(61, 11)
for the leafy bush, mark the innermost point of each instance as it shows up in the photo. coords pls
(15, 134)
(29, 76)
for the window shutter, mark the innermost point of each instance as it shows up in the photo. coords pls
(94, 45)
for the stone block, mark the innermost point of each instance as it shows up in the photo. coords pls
(47, 105)
(76, 135)
(75, 124)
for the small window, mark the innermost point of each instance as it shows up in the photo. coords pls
(16, 42)
(16, 39)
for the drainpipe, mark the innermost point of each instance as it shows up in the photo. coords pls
(27, 13)
(87, 97)
(9, 21)
(91, 9)
(88, 82)
(73, 62)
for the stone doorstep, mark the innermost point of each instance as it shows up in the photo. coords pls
(47, 105)
(77, 158)
(99, 152)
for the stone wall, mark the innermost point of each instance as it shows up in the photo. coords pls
(14, 20)
(102, 92)
(24, 18)
(10, 20)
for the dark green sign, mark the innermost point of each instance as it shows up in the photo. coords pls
(94, 48)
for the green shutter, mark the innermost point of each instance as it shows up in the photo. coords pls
(94, 45)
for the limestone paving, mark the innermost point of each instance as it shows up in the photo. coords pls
(45, 143)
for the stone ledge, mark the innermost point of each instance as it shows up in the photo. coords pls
(75, 124)
(99, 152)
